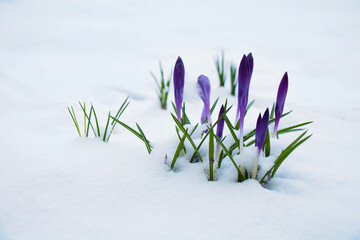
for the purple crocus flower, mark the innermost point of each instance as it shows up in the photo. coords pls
(219, 131)
(244, 77)
(204, 92)
(261, 129)
(179, 78)
(260, 134)
(280, 101)
(220, 125)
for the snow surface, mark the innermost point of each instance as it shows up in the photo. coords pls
(54, 185)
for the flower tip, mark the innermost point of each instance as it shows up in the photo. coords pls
(249, 57)
(179, 77)
(285, 77)
(250, 61)
(266, 115)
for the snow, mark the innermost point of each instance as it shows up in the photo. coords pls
(55, 185)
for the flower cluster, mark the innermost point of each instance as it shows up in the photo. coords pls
(225, 149)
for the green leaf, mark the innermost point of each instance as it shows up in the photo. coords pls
(272, 111)
(237, 125)
(73, 116)
(86, 117)
(96, 121)
(89, 122)
(106, 127)
(211, 154)
(231, 158)
(230, 127)
(249, 106)
(178, 150)
(147, 143)
(122, 108)
(213, 106)
(252, 133)
(207, 134)
(184, 118)
(195, 127)
(293, 128)
(129, 129)
(139, 134)
(284, 154)
(267, 144)
(180, 126)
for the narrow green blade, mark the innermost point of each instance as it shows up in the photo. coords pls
(180, 126)
(178, 150)
(229, 155)
(73, 116)
(147, 143)
(213, 106)
(293, 128)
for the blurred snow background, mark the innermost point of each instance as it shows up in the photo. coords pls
(54, 53)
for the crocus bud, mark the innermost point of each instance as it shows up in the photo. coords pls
(219, 132)
(244, 77)
(179, 78)
(260, 133)
(204, 92)
(220, 125)
(261, 129)
(280, 101)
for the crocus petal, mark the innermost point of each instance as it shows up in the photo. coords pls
(204, 92)
(220, 125)
(280, 100)
(179, 78)
(243, 86)
(261, 129)
(244, 77)
(257, 130)
(250, 61)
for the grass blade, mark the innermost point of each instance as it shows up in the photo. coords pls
(178, 150)
(96, 121)
(207, 134)
(147, 143)
(73, 116)
(293, 128)
(227, 153)
(213, 106)
(106, 127)
(180, 126)
(231, 129)
(211, 154)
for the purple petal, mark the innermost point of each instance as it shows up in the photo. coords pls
(204, 92)
(257, 130)
(179, 78)
(244, 77)
(280, 100)
(250, 60)
(220, 125)
(261, 129)
(243, 86)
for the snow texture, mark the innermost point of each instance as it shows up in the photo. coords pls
(57, 186)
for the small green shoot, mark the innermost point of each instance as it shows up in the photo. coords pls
(88, 121)
(233, 81)
(220, 67)
(139, 134)
(163, 87)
